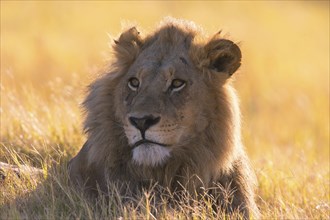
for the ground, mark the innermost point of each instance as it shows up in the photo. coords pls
(50, 51)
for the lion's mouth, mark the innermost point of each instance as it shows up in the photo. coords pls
(145, 141)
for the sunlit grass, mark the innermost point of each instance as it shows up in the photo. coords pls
(50, 51)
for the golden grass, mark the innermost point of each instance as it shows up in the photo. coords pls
(50, 51)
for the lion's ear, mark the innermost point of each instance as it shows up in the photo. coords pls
(128, 45)
(223, 55)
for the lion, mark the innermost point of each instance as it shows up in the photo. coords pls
(166, 112)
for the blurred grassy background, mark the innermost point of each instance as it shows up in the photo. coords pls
(51, 50)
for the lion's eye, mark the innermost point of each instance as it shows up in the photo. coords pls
(177, 84)
(133, 83)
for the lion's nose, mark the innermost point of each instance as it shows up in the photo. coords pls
(144, 123)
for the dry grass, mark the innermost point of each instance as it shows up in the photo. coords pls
(51, 50)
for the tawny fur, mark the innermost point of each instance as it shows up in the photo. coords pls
(203, 117)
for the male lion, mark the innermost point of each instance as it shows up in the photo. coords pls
(167, 113)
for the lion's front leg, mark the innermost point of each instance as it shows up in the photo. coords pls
(235, 191)
(84, 174)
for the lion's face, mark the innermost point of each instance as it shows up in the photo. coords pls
(164, 100)
(157, 100)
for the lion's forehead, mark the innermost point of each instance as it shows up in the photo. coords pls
(162, 53)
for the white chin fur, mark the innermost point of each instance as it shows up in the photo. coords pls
(150, 154)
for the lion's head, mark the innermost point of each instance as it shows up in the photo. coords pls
(165, 90)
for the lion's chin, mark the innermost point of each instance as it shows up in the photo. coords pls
(150, 154)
